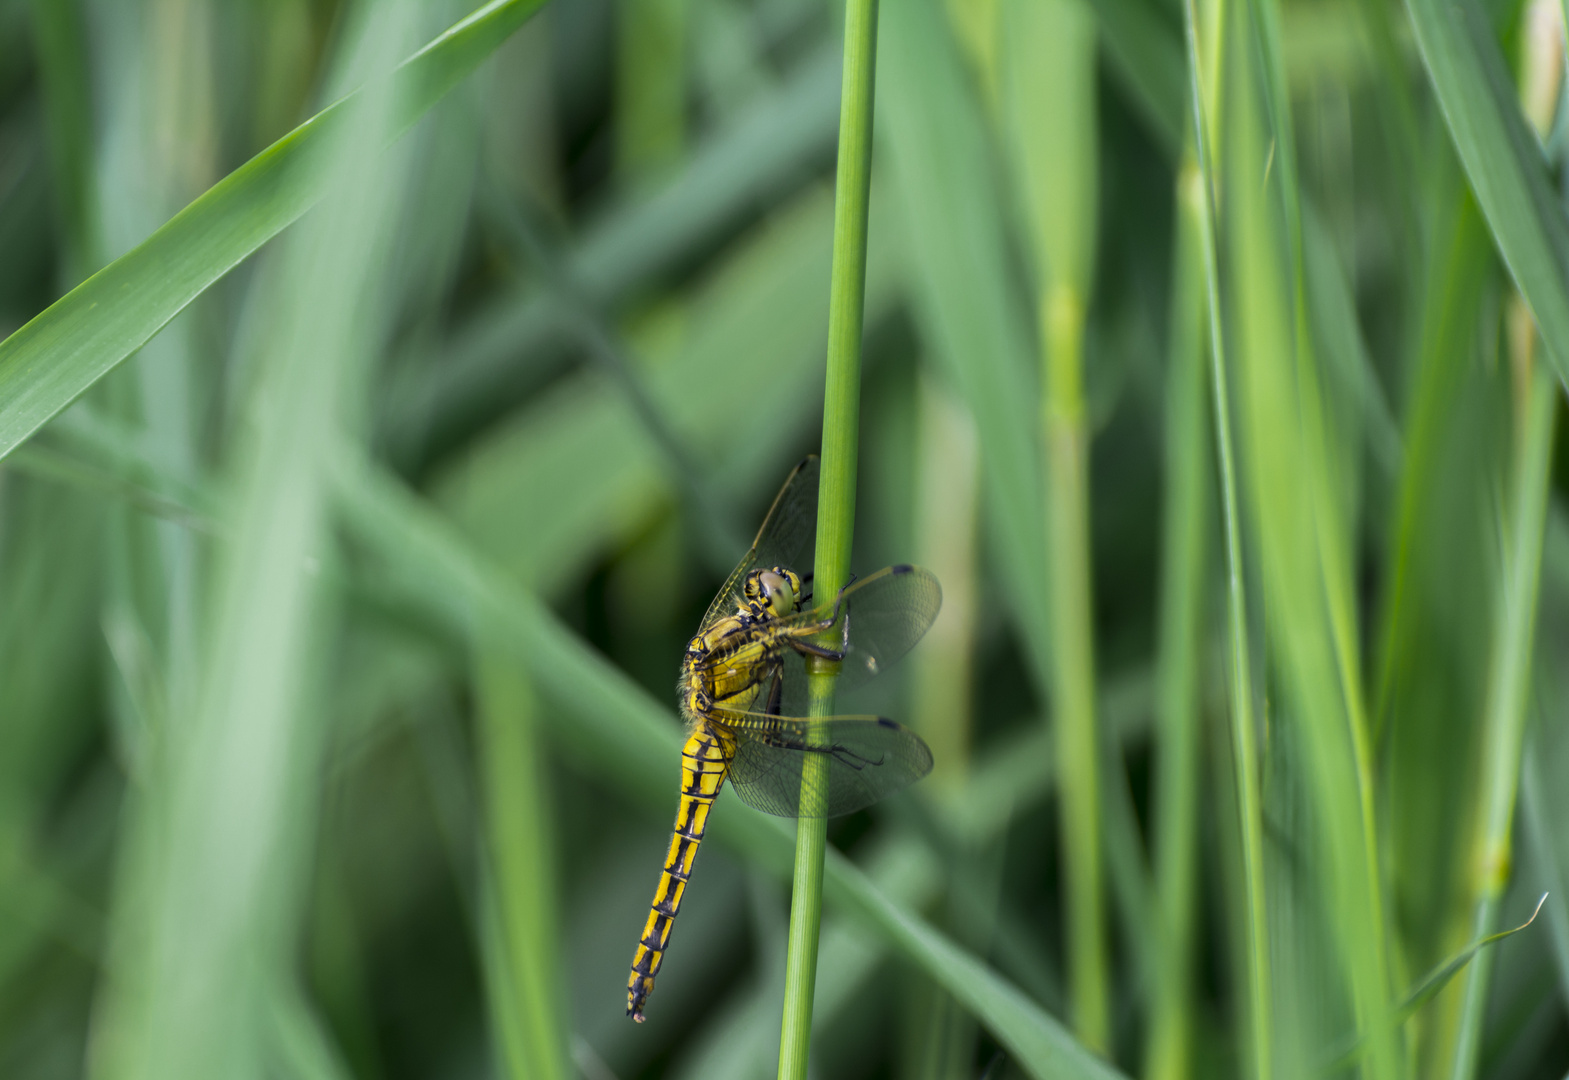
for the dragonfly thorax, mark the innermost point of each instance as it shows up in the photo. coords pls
(773, 593)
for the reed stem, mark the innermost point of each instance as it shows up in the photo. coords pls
(835, 505)
(1186, 526)
(1204, 87)
(1508, 691)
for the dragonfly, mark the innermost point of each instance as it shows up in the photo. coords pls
(743, 697)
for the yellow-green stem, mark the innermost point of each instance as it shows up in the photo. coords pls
(1204, 90)
(1186, 519)
(1371, 989)
(1508, 690)
(524, 971)
(1073, 689)
(835, 503)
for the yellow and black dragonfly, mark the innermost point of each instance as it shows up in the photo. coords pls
(743, 697)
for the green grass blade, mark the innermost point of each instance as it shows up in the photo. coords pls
(1543, 840)
(965, 299)
(220, 839)
(1145, 54)
(1513, 646)
(1038, 1044)
(1509, 689)
(1049, 60)
(49, 362)
(520, 907)
(1322, 740)
(603, 719)
(1432, 656)
(1431, 984)
(63, 62)
(1186, 514)
(1367, 958)
(1502, 159)
(1197, 193)
(1436, 980)
(1434, 412)
(835, 504)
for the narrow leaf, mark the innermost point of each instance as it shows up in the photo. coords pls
(1427, 989)
(1501, 157)
(81, 337)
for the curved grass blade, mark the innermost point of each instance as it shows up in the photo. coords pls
(81, 337)
(1501, 157)
(1427, 990)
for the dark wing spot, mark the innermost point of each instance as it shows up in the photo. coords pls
(885, 722)
(902, 568)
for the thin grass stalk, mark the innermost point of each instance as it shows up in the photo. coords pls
(1073, 655)
(835, 506)
(1051, 48)
(1317, 768)
(1186, 514)
(1201, 195)
(1542, 837)
(942, 1035)
(1508, 691)
(59, 38)
(1331, 545)
(520, 910)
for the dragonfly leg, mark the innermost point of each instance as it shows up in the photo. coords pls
(775, 695)
(803, 646)
(845, 756)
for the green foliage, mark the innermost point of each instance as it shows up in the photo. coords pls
(376, 421)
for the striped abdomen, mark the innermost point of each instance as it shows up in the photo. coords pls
(704, 760)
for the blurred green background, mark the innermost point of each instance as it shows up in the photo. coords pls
(339, 626)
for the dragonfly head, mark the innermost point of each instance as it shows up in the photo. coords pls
(773, 593)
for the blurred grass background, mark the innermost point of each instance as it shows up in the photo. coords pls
(339, 622)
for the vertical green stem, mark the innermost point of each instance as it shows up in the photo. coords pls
(1509, 686)
(1186, 517)
(835, 504)
(1371, 978)
(1050, 52)
(1201, 195)
(1068, 542)
(520, 905)
(1508, 689)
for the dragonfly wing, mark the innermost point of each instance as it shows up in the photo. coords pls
(868, 758)
(789, 532)
(785, 539)
(882, 616)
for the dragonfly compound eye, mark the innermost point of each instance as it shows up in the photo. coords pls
(780, 588)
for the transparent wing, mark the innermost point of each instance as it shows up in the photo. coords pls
(881, 617)
(785, 539)
(868, 758)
